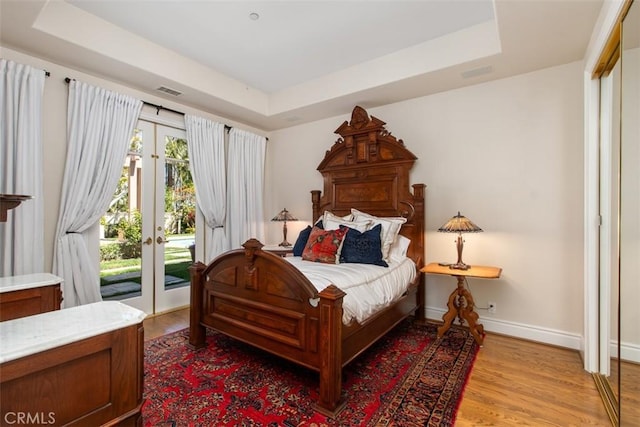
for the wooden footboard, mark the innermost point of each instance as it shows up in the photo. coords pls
(259, 298)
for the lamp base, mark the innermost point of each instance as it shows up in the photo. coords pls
(285, 244)
(459, 266)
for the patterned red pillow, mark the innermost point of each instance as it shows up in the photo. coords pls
(323, 245)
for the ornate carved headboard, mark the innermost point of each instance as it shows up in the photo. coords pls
(367, 168)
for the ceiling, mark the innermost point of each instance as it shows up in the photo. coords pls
(298, 61)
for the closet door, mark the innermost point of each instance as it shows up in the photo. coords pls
(629, 262)
(609, 236)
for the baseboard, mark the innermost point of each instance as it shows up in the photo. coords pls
(628, 351)
(521, 330)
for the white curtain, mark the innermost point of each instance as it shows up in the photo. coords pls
(100, 125)
(21, 237)
(245, 212)
(205, 140)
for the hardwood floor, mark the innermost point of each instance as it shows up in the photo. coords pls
(166, 323)
(517, 382)
(513, 382)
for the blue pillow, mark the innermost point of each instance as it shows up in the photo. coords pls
(301, 242)
(363, 248)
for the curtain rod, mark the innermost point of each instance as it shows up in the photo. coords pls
(159, 107)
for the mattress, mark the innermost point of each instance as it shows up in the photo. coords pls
(368, 288)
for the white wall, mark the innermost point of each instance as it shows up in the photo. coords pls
(507, 154)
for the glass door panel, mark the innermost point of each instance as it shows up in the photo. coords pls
(120, 233)
(176, 219)
(149, 231)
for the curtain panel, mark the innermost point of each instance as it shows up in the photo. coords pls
(205, 140)
(100, 125)
(245, 189)
(21, 237)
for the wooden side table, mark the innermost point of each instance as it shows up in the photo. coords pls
(461, 301)
(282, 251)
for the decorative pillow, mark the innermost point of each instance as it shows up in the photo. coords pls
(398, 250)
(390, 228)
(301, 242)
(323, 245)
(363, 247)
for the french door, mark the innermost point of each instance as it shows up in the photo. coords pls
(160, 207)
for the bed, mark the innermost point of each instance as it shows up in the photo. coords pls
(260, 298)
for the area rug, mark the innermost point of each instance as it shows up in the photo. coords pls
(407, 378)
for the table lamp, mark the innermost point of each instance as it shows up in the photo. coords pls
(284, 216)
(459, 224)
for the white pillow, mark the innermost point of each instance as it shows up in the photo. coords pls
(334, 224)
(331, 221)
(399, 248)
(390, 228)
(329, 216)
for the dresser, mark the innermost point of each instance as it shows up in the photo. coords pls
(29, 294)
(80, 366)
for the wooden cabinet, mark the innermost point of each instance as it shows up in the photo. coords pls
(81, 366)
(22, 296)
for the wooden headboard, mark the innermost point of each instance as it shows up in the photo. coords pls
(367, 168)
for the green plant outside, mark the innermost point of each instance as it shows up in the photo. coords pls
(131, 229)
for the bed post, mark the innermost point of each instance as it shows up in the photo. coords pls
(315, 202)
(197, 332)
(330, 351)
(418, 194)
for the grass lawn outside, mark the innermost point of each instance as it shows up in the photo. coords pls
(177, 260)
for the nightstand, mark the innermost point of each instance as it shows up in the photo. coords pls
(282, 251)
(460, 301)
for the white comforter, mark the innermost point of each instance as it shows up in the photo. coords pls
(369, 288)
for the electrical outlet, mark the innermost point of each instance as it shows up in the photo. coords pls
(492, 307)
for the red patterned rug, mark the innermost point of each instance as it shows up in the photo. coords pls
(407, 378)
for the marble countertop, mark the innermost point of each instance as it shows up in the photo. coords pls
(33, 334)
(28, 281)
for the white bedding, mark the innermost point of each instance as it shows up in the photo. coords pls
(368, 288)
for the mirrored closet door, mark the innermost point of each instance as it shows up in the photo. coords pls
(629, 214)
(618, 378)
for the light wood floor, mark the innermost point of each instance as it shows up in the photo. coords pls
(513, 382)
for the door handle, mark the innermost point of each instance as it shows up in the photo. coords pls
(148, 241)
(160, 240)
